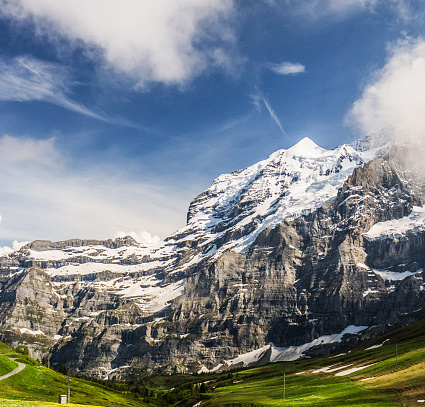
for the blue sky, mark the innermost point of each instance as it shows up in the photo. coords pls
(115, 114)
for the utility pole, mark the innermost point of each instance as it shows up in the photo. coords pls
(69, 389)
(284, 385)
(396, 356)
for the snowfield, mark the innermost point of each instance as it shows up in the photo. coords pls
(396, 228)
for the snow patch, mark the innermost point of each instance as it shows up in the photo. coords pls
(31, 332)
(329, 370)
(396, 228)
(352, 370)
(245, 359)
(394, 275)
(370, 291)
(150, 294)
(376, 346)
(335, 356)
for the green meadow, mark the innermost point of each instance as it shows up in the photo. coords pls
(37, 385)
(395, 377)
(392, 380)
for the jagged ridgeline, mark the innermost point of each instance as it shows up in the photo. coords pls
(298, 255)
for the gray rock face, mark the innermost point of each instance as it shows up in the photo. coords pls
(194, 302)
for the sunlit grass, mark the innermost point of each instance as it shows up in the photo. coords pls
(392, 381)
(20, 403)
(39, 386)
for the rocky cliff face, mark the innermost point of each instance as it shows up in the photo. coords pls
(296, 255)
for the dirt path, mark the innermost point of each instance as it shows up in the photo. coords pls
(20, 367)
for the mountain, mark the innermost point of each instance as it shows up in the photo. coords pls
(295, 256)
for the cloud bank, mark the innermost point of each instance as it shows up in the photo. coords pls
(168, 41)
(43, 197)
(395, 95)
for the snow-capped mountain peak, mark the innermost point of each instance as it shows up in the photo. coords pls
(305, 148)
(287, 184)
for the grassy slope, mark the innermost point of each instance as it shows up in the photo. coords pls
(20, 403)
(393, 384)
(36, 383)
(6, 365)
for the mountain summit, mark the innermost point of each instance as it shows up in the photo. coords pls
(297, 255)
(305, 148)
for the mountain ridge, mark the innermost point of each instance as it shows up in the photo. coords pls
(274, 253)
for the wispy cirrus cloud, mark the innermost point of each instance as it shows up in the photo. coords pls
(336, 10)
(273, 116)
(25, 79)
(317, 9)
(288, 68)
(258, 101)
(167, 41)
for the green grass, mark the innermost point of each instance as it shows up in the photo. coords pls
(6, 365)
(20, 403)
(395, 383)
(301, 390)
(37, 384)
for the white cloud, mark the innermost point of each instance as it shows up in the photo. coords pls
(29, 151)
(53, 201)
(395, 95)
(288, 68)
(343, 6)
(26, 79)
(4, 250)
(317, 9)
(408, 10)
(336, 10)
(142, 236)
(168, 41)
